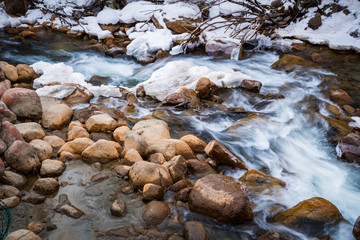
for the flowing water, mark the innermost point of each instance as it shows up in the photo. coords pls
(289, 141)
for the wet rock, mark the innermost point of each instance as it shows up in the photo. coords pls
(315, 22)
(35, 227)
(152, 128)
(120, 133)
(167, 149)
(181, 26)
(259, 182)
(162, 54)
(219, 48)
(222, 198)
(77, 146)
(181, 184)
(195, 143)
(46, 186)
(14, 179)
(80, 94)
(10, 72)
(122, 170)
(23, 102)
(144, 172)
(341, 97)
(251, 85)
(135, 141)
(155, 213)
(157, 158)
(316, 58)
(56, 113)
(66, 208)
(185, 97)
(30, 131)
(310, 216)
(194, 231)
(356, 229)
(132, 156)
(102, 151)
(25, 73)
(77, 132)
(271, 236)
(152, 192)
(223, 156)
(11, 202)
(199, 168)
(100, 123)
(289, 63)
(4, 86)
(3, 147)
(52, 168)
(22, 157)
(181, 147)
(117, 208)
(183, 194)
(6, 114)
(140, 91)
(177, 167)
(98, 80)
(9, 133)
(146, 58)
(42, 148)
(131, 99)
(350, 148)
(23, 234)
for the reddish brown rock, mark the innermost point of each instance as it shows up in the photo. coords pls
(160, 55)
(199, 168)
(4, 86)
(186, 97)
(289, 63)
(181, 184)
(222, 198)
(6, 114)
(16, 7)
(25, 73)
(132, 156)
(177, 167)
(9, 133)
(23, 233)
(220, 48)
(194, 231)
(195, 143)
(79, 95)
(223, 156)
(271, 236)
(183, 194)
(22, 157)
(341, 97)
(203, 87)
(122, 170)
(9, 71)
(157, 158)
(140, 91)
(315, 22)
(251, 85)
(152, 192)
(155, 213)
(350, 148)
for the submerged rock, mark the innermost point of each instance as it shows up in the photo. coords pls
(153, 129)
(118, 207)
(186, 97)
(9, 133)
(289, 63)
(194, 231)
(30, 131)
(222, 198)
(259, 182)
(65, 207)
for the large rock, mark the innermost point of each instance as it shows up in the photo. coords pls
(43, 149)
(14, 179)
(23, 234)
(6, 114)
(102, 151)
(222, 198)
(289, 63)
(46, 186)
(120, 133)
(315, 22)
(310, 216)
(152, 128)
(155, 213)
(22, 157)
(25, 73)
(77, 146)
(16, 7)
(350, 148)
(101, 123)
(30, 131)
(23, 102)
(356, 229)
(223, 156)
(135, 141)
(144, 172)
(9, 133)
(9, 71)
(132, 156)
(56, 113)
(259, 182)
(4, 86)
(195, 143)
(77, 132)
(52, 168)
(341, 97)
(177, 167)
(182, 148)
(194, 231)
(54, 141)
(185, 97)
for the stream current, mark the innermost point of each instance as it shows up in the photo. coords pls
(290, 141)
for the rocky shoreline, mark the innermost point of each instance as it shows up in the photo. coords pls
(40, 135)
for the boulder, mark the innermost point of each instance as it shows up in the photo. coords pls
(341, 97)
(167, 149)
(10, 72)
(223, 156)
(135, 141)
(185, 97)
(52, 168)
(56, 113)
(22, 157)
(23, 102)
(30, 131)
(11, 202)
(157, 158)
(43, 149)
(350, 148)
(222, 198)
(356, 229)
(25, 73)
(195, 143)
(93, 109)
(18, 8)
(118, 208)
(4, 86)
(152, 128)
(272, 236)
(181, 148)
(132, 156)
(203, 87)
(289, 63)
(120, 133)
(152, 192)
(251, 85)
(155, 213)
(199, 168)
(65, 207)
(23, 234)
(258, 182)
(315, 22)
(101, 123)
(143, 172)
(177, 167)
(77, 132)
(183, 194)
(102, 151)
(3, 147)
(311, 216)
(194, 231)
(6, 114)
(14, 179)
(9, 133)
(176, 187)
(77, 146)
(46, 186)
